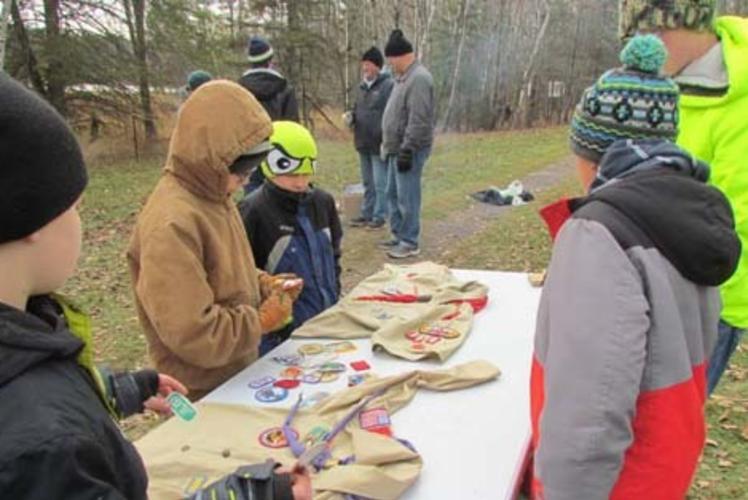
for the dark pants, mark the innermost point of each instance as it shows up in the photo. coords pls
(728, 339)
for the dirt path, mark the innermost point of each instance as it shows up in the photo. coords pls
(361, 258)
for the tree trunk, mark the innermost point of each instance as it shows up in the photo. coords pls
(4, 20)
(524, 101)
(456, 73)
(55, 64)
(135, 16)
(32, 66)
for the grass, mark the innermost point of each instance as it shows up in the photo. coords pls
(517, 240)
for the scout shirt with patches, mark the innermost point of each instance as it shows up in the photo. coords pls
(365, 462)
(196, 286)
(388, 305)
(626, 323)
(297, 233)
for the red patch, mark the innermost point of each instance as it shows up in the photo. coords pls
(376, 420)
(287, 384)
(360, 366)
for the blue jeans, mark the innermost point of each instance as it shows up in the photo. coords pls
(374, 177)
(404, 197)
(728, 339)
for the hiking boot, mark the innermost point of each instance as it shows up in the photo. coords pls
(403, 251)
(359, 222)
(376, 224)
(388, 244)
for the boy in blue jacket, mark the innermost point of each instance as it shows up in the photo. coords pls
(293, 227)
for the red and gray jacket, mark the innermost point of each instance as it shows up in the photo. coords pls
(627, 319)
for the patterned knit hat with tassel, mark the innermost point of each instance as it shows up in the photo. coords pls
(632, 102)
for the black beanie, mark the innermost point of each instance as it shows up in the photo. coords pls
(397, 45)
(41, 166)
(374, 55)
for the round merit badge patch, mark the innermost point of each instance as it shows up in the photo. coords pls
(292, 372)
(327, 377)
(287, 383)
(311, 378)
(289, 359)
(274, 438)
(271, 394)
(311, 349)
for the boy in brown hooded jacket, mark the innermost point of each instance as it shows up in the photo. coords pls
(201, 302)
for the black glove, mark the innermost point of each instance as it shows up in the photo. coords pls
(131, 389)
(404, 160)
(250, 482)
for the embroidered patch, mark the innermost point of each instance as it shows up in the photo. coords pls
(331, 366)
(311, 349)
(287, 383)
(274, 438)
(376, 420)
(358, 378)
(429, 335)
(261, 382)
(328, 377)
(314, 436)
(292, 372)
(271, 394)
(341, 347)
(181, 406)
(312, 378)
(289, 359)
(360, 366)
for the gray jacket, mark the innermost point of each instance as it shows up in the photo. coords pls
(627, 321)
(408, 121)
(368, 111)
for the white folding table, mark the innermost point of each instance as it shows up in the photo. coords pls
(474, 442)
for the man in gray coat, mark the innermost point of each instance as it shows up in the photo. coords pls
(407, 136)
(366, 121)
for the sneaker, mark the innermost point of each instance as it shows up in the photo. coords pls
(388, 244)
(359, 222)
(403, 251)
(375, 224)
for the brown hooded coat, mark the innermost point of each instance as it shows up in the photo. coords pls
(194, 278)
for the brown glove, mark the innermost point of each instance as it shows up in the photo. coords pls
(275, 311)
(279, 282)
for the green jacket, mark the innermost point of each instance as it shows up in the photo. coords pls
(715, 130)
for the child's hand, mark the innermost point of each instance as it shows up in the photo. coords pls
(166, 385)
(288, 283)
(275, 311)
(301, 481)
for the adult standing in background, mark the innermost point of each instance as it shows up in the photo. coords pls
(708, 59)
(407, 136)
(366, 121)
(271, 89)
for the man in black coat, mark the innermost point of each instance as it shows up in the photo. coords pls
(366, 122)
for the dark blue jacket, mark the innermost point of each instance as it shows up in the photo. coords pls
(300, 234)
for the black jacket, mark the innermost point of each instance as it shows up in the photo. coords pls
(57, 439)
(273, 92)
(367, 113)
(300, 234)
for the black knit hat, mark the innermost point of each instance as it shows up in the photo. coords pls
(41, 166)
(259, 50)
(397, 45)
(374, 55)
